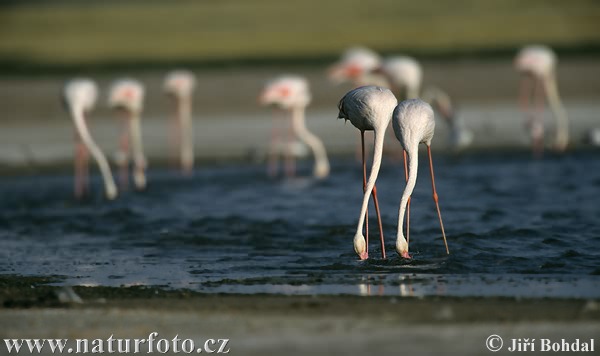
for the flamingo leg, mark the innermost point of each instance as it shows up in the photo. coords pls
(124, 159)
(364, 164)
(408, 203)
(525, 93)
(537, 124)
(290, 162)
(435, 197)
(374, 193)
(176, 145)
(273, 160)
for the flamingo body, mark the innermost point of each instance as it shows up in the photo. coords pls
(127, 95)
(79, 96)
(538, 64)
(180, 84)
(357, 65)
(291, 93)
(404, 74)
(413, 122)
(368, 108)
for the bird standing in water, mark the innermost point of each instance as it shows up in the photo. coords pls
(179, 85)
(291, 93)
(538, 66)
(127, 96)
(79, 96)
(414, 123)
(369, 108)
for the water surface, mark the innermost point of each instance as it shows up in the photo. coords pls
(515, 226)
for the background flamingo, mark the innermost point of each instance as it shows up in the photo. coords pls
(359, 66)
(460, 137)
(369, 108)
(414, 123)
(179, 85)
(79, 97)
(404, 75)
(127, 96)
(538, 65)
(292, 94)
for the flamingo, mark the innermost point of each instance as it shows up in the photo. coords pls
(369, 108)
(79, 96)
(537, 63)
(414, 123)
(359, 66)
(404, 75)
(292, 93)
(460, 136)
(179, 85)
(126, 96)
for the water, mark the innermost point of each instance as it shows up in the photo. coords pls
(515, 227)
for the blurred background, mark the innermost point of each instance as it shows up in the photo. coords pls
(234, 46)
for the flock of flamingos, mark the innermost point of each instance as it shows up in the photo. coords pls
(370, 106)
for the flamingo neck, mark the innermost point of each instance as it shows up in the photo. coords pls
(135, 131)
(377, 154)
(81, 127)
(562, 121)
(321, 168)
(413, 165)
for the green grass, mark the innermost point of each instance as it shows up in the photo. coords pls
(71, 33)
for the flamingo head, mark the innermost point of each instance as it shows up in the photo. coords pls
(360, 246)
(402, 247)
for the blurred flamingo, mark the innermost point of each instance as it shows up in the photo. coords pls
(179, 85)
(369, 108)
(127, 96)
(460, 136)
(79, 96)
(414, 123)
(359, 66)
(404, 75)
(291, 93)
(537, 63)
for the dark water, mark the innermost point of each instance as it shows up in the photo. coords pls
(515, 227)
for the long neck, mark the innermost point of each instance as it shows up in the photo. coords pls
(413, 165)
(321, 168)
(187, 135)
(109, 183)
(562, 121)
(377, 153)
(135, 130)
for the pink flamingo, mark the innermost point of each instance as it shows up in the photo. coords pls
(179, 85)
(369, 108)
(414, 123)
(127, 97)
(538, 65)
(358, 66)
(79, 97)
(291, 93)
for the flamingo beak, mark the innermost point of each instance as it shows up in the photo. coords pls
(405, 255)
(363, 256)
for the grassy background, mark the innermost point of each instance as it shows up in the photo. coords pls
(67, 33)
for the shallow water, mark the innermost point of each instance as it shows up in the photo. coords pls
(515, 227)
